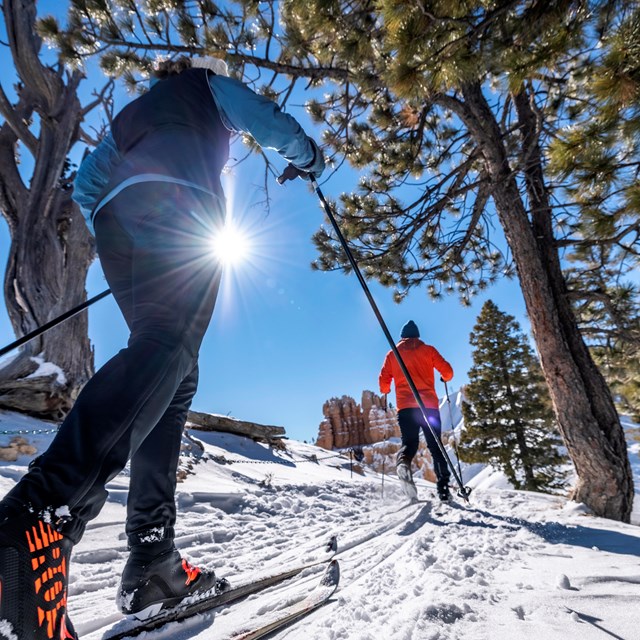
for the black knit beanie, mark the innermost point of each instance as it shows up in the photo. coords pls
(410, 330)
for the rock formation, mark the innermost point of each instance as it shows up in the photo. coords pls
(371, 428)
(16, 448)
(347, 424)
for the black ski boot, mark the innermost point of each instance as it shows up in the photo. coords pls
(34, 574)
(443, 493)
(150, 584)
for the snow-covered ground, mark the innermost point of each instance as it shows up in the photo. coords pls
(511, 565)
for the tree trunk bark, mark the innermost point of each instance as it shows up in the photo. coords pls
(51, 248)
(46, 271)
(582, 402)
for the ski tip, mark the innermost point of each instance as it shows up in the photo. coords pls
(331, 577)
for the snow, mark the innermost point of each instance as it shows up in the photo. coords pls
(7, 631)
(47, 369)
(44, 368)
(511, 565)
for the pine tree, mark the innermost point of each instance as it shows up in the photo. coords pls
(507, 411)
(449, 109)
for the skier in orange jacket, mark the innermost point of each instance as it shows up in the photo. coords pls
(420, 359)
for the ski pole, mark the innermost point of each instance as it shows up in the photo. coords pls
(291, 173)
(52, 323)
(455, 445)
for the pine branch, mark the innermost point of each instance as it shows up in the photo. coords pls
(296, 71)
(478, 30)
(484, 192)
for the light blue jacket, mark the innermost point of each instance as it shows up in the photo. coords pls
(241, 110)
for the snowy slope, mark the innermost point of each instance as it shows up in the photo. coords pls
(512, 565)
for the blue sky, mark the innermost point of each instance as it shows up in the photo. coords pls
(284, 339)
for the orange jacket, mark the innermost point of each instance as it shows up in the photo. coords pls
(420, 359)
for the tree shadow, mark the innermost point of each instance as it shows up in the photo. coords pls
(557, 533)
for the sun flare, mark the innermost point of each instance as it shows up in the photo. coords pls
(231, 245)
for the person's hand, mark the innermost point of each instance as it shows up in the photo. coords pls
(312, 170)
(291, 173)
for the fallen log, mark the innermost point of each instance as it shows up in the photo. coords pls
(216, 422)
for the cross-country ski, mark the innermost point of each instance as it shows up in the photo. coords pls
(278, 619)
(131, 628)
(133, 625)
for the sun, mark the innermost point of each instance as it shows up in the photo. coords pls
(231, 245)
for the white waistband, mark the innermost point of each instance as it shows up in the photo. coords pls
(148, 177)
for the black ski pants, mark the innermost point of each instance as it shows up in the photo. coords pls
(154, 244)
(411, 422)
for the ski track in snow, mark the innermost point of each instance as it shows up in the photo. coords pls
(511, 565)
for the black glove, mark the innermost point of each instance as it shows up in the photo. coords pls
(291, 173)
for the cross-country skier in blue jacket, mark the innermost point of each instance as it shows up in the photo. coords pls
(151, 192)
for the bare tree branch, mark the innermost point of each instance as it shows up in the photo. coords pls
(25, 45)
(102, 97)
(16, 118)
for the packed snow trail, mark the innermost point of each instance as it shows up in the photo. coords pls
(512, 565)
(408, 572)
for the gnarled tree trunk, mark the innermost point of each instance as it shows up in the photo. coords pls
(51, 248)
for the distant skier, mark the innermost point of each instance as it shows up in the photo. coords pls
(152, 191)
(420, 359)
